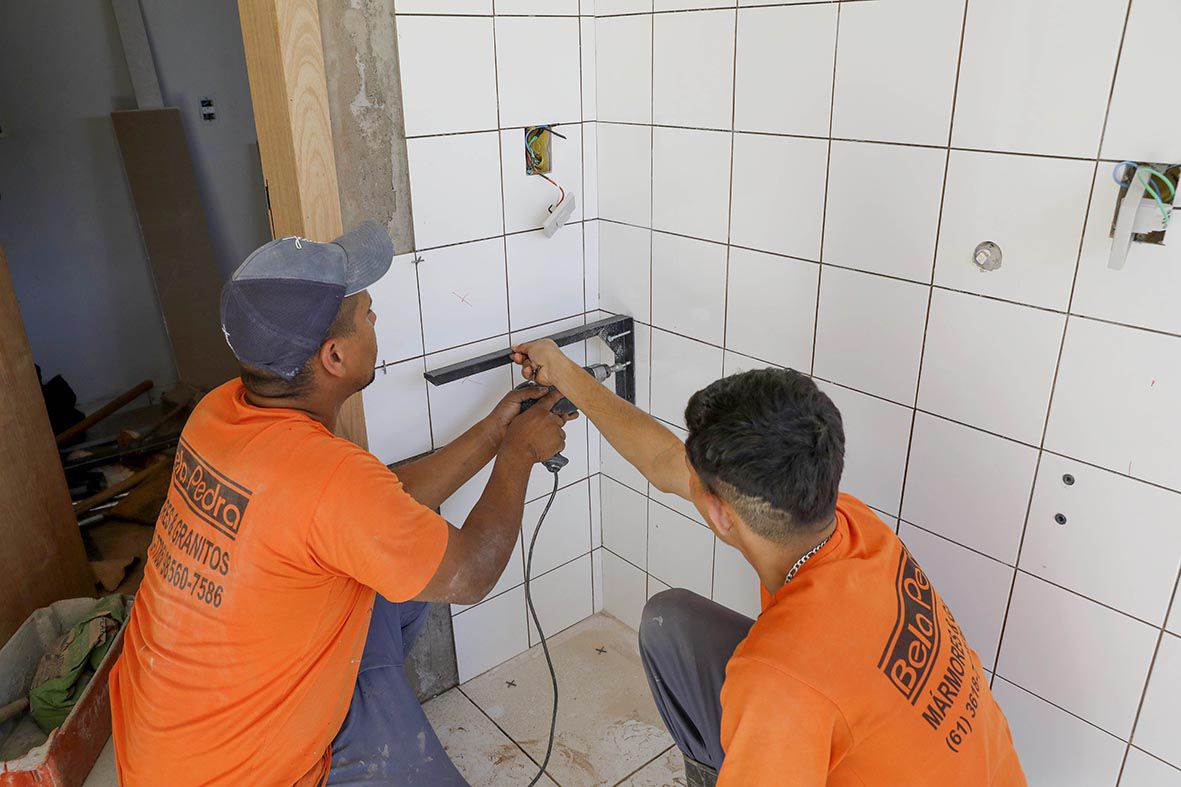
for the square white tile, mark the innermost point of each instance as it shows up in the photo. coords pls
(528, 198)
(1153, 24)
(974, 349)
(686, 5)
(1055, 747)
(625, 173)
(1144, 292)
(588, 44)
(458, 405)
(464, 294)
(689, 287)
(656, 586)
(1108, 372)
(623, 68)
(396, 417)
(625, 521)
(530, 95)
(606, 7)
(690, 181)
(680, 368)
(624, 589)
(562, 597)
(1035, 77)
(774, 42)
(590, 263)
(869, 333)
(1080, 554)
(883, 208)
(490, 633)
(976, 588)
(693, 70)
(395, 302)
(448, 74)
(1144, 770)
(545, 277)
(969, 486)
(625, 269)
(597, 579)
(1033, 208)
(680, 551)
(778, 194)
(1045, 620)
(596, 502)
(443, 213)
(771, 307)
(1160, 718)
(876, 436)
(565, 534)
(896, 66)
(736, 583)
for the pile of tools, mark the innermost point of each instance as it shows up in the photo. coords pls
(117, 462)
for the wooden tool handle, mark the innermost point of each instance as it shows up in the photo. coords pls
(118, 403)
(13, 709)
(82, 506)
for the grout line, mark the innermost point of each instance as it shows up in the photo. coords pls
(1068, 712)
(496, 724)
(832, 100)
(623, 781)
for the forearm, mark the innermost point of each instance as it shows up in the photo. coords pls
(638, 437)
(494, 525)
(436, 477)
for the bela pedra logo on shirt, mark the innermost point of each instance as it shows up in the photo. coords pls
(212, 496)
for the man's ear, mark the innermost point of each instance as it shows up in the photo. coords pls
(719, 512)
(332, 358)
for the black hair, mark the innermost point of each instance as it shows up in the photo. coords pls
(264, 382)
(771, 444)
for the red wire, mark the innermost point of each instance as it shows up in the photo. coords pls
(559, 188)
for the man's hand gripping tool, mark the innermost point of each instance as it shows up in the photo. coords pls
(566, 408)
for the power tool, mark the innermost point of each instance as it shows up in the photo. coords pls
(564, 407)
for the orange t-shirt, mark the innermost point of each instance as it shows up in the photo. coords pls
(242, 650)
(856, 674)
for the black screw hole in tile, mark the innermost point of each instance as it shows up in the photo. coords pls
(1060, 519)
(1068, 479)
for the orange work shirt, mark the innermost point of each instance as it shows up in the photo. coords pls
(242, 650)
(856, 674)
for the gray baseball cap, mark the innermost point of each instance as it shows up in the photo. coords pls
(278, 306)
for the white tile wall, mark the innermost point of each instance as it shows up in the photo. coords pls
(1160, 718)
(396, 412)
(562, 597)
(490, 633)
(1033, 208)
(689, 287)
(691, 200)
(771, 307)
(1056, 747)
(544, 276)
(974, 347)
(869, 333)
(625, 521)
(693, 65)
(1055, 644)
(464, 295)
(883, 208)
(1048, 92)
(773, 43)
(1034, 78)
(399, 320)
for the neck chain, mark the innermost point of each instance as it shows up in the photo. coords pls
(800, 563)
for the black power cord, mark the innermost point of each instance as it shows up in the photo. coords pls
(549, 662)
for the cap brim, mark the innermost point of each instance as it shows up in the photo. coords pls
(369, 253)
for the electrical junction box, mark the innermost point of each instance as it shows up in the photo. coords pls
(538, 150)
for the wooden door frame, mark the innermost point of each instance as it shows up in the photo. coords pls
(285, 65)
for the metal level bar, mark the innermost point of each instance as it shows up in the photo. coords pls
(617, 332)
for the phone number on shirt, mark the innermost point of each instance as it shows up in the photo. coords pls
(177, 574)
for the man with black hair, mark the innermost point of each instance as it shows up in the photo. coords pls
(855, 673)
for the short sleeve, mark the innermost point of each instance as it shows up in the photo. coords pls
(776, 729)
(368, 527)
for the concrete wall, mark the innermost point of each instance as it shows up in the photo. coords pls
(66, 216)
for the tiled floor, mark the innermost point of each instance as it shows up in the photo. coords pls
(495, 726)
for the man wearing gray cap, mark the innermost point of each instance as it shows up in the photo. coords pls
(289, 570)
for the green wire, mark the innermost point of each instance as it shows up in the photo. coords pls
(1156, 197)
(1162, 176)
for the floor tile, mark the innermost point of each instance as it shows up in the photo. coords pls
(484, 755)
(667, 770)
(606, 729)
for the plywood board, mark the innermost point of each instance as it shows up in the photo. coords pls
(176, 239)
(42, 559)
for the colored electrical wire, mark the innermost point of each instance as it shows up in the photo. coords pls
(1156, 197)
(1150, 188)
(562, 199)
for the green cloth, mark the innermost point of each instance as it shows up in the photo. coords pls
(66, 668)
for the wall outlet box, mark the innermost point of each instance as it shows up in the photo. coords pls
(538, 150)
